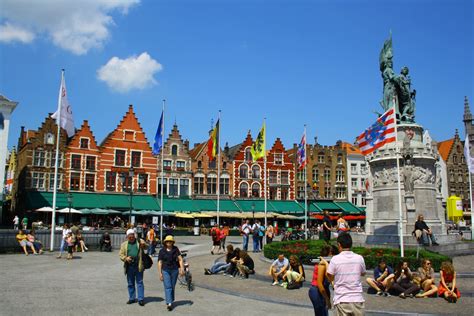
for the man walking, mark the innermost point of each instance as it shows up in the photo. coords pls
(327, 227)
(16, 221)
(245, 230)
(345, 270)
(256, 236)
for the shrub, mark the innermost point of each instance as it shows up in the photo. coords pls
(310, 249)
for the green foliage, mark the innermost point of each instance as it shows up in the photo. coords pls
(310, 249)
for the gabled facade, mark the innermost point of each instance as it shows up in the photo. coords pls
(205, 173)
(36, 160)
(82, 161)
(125, 147)
(281, 173)
(357, 174)
(177, 171)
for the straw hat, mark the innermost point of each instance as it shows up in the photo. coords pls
(169, 238)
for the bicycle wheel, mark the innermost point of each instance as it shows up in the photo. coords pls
(189, 281)
(182, 280)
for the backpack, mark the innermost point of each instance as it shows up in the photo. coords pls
(147, 261)
(256, 232)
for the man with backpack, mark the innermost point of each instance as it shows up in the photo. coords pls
(245, 232)
(261, 234)
(256, 236)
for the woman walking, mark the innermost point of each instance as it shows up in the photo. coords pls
(170, 263)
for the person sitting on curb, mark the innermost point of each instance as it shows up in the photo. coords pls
(222, 265)
(22, 239)
(105, 242)
(278, 269)
(295, 275)
(427, 281)
(245, 265)
(36, 243)
(424, 232)
(383, 278)
(403, 281)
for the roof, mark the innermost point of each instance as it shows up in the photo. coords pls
(351, 149)
(233, 150)
(444, 148)
(196, 151)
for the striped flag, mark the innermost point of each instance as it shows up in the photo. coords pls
(157, 146)
(213, 143)
(301, 153)
(380, 133)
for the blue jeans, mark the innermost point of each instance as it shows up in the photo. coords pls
(169, 281)
(62, 247)
(134, 276)
(256, 243)
(151, 249)
(427, 237)
(219, 266)
(245, 242)
(319, 304)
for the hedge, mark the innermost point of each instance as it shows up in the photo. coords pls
(310, 249)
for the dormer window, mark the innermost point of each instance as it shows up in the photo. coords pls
(49, 139)
(129, 135)
(174, 150)
(84, 143)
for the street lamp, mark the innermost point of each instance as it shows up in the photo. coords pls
(69, 200)
(253, 211)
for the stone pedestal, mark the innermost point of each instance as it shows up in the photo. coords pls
(419, 194)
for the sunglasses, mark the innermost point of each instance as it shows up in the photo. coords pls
(428, 263)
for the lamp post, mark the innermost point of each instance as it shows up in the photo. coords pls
(69, 200)
(253, 211)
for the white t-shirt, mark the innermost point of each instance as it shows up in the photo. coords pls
(280, 264)
(16, 220)
(65, 232)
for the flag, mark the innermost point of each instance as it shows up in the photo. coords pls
(63, 115)
(258, 147)
(380, 133)
(301, 153)
(159, 137)
(213, 143)
(10, 174)
(467, 155)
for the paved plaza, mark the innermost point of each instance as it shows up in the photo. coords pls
(94, 284)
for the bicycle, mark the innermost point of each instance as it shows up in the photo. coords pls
(186, 280)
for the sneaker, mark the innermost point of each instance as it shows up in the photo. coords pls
(275, 283)
(141, 303)
(131, 301)
(169, 307)
(284, 284)
(435, 244)
(231, 276)
(386, 294)
(224, 274)
(212, 252)
(207, 271)
(379, 293)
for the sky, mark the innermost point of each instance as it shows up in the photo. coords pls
(293, 62)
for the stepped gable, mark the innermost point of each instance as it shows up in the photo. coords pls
(175, 137)
(128, 122)
(240, 151)
(83, 132)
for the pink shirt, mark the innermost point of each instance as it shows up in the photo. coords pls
(347, 268)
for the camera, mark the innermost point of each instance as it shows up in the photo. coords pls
(318, 260)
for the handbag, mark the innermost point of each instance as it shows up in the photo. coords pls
(147, 260)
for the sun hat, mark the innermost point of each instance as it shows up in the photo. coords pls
(130, 231)
(169, 238)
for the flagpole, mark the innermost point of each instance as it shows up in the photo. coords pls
(470, 198)
(400, 212)
(218, 165)
(305, 191)
(162, 184)
(55, 189)
(469, 167)
(265, 173)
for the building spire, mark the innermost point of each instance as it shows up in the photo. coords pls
(467, 111)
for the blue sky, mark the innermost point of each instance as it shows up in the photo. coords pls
(293, 62)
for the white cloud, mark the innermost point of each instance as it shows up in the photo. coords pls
(11, 33)
(75, 26)
(123, 75)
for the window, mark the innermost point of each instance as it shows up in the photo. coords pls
(129, 135)
(327, 175)
(353, 168)
(224, 186)
(51, 181)
(53, 159)
(143, 182)
(184, 187)
(255, 172)
(340, 175)
(212, 164)
(273, 193)
(255, 190)
(211, 184)
(327, 192)
(243, 171)
(460, 177)
(244, 188)
(279, 159)
(37, 180)
(354, 199)
(120, 157)
(110, 178)
(315, 174)
(199, 164)
(173, 187)
(75, 181)
(339, 159)
(300, 175)
(136, 159)
(248, 154)
(90, 181)
(284, 194)
(284, 177)
(455, 159)
(300, 193)
(354, 183)
(340, 193)
(76, 162)
(321, 158)
(180, 165)
(165, 186)
(166, 164)
(451, 175)
(90, 163)
(49, 139)
(174, 150)
(364, 201)
(224, 165)
(198, 185)
(39, 159)
(127, 181)
(84, 143)
(273, 177)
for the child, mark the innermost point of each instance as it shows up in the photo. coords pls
(70, 245)
(447, 286)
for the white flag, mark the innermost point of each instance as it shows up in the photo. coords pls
(467, 155)
(63, 115)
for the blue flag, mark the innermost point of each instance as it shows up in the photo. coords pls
(158, 137)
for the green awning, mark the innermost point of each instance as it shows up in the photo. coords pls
(349, 208)
(179, 205)
(287, 207)
(206, 205)
(328, 205)
(313, 207)
(228, 206)
(254, 205)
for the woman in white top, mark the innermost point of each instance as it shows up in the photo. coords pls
(342, 225)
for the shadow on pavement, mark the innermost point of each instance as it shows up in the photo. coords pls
(181, 303)
(151, 299)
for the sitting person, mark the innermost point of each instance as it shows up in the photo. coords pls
(447, 285)
(278, 269)
(80, 241)
(295, 275)
(383, 278)
(105, 242)
(403, 284)
(22, 239)
(36, 243)
(424, 232)
(222, 265)
(245, 265)
(427, 281)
